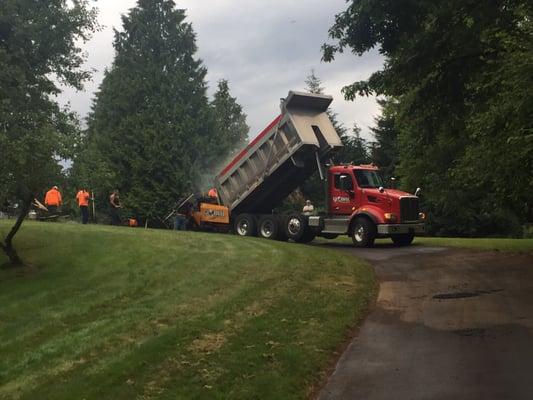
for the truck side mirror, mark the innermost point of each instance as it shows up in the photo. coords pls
(418, 191)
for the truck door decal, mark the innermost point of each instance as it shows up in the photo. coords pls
(342, 200)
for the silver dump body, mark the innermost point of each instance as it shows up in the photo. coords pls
(281, 157)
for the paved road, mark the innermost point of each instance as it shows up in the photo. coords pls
(448, 324)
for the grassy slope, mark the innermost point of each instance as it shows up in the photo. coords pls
(119, 313)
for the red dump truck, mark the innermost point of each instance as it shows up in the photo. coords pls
(299, 142)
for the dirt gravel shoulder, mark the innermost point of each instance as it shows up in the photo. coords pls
(448, 323)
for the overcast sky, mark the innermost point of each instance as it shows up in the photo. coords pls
(263, 48)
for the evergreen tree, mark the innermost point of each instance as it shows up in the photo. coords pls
(150, 133)
(355, 148)
(39, 40)
(313, 84)
(384, 151)
(230, 121)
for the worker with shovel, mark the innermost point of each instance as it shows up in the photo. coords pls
(83, 202)
(114, 203)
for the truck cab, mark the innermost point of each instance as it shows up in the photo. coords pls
(358, 204)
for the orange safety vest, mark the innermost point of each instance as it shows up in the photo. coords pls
(52, 198)
(83, 198)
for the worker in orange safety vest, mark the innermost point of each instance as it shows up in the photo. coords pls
(83, 202)
(53, 200)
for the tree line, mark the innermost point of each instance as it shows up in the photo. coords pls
(455, 92)
(152, 130)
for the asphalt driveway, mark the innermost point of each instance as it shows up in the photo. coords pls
(448, 324)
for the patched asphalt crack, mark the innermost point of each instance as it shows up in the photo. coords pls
(470, 332)
(464, 295)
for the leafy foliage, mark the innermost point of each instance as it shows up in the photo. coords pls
(461, 76)
(39, 46)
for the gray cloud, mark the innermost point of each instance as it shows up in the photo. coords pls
(264, 50)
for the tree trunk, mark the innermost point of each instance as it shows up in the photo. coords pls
(7, 244)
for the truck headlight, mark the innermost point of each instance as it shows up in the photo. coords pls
(421, 216)
(390, 217)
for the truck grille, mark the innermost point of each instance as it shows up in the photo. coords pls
(409, 209)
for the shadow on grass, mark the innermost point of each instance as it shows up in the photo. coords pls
(10, 271)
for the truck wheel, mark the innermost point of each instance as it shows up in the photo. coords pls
(403, 240)
(245, 225)
(268, 227)
(295, 226)
(363, 233)
(307, 237)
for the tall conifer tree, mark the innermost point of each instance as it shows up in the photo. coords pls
(384, 151)
(150, 128)
(231, 127)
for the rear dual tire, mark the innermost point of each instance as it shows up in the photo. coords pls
(275, 227)
(404, 239)
(245, 225)
(271, 227)
(267, 227)
(297, 229)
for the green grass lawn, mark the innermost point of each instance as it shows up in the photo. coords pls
(123, 313)
(506, 245)
(509, 245)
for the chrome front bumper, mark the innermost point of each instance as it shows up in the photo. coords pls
(393, 229)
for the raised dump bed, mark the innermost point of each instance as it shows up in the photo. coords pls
(281, 157)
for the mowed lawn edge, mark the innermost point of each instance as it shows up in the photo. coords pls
(488, 244)
(121, 313)
(483, 244)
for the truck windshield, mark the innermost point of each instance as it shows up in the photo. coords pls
(368, 178)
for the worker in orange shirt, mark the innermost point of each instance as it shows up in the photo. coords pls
(83, 202)
(53, 200)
